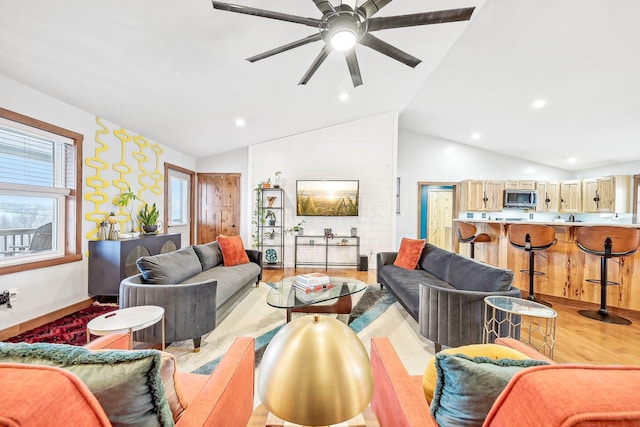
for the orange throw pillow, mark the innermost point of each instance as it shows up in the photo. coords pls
(409, 253)
(233, 252)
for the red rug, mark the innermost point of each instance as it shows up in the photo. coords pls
(71, 329)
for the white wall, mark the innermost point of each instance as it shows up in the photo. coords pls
(424, 158)
(630, 168)
(364, 150)
(45, 290)
(235, 161)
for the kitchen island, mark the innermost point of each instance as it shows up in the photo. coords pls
(565, 265)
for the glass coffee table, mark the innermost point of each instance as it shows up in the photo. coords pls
(284, 295)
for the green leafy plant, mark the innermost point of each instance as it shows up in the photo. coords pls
(123, 200)
(270, 216)
(149, 216)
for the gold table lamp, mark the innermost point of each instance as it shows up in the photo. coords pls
(315, 372)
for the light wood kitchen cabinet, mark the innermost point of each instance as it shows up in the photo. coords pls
(607, 194)
(548, 196)
(482, 196)
(519, 185)
(571, 196)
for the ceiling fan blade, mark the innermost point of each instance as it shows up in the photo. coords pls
(315, 65)
(354, 68)
(425, 18)
(311, 22)
(324, 6)
(385, 48)
(284, 48)
(371, 7)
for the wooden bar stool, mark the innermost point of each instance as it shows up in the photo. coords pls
(531, 238)
(606, 242)
(467, 234)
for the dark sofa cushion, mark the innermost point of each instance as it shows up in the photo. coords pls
(471, 275)
(436, 261)
(169, 268)
(405, 285)
(209, 255)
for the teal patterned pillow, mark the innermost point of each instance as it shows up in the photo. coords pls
(127, 384)
(467, 387)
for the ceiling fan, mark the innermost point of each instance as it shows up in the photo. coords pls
(342, 26)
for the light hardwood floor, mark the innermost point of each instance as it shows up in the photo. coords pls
(578, 339)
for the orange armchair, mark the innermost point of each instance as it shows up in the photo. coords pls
(44, 395)
(552, 395)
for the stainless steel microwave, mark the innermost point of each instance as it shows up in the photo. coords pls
(523, 199)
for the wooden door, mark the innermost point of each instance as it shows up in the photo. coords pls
(440, 218)
(218, 206)
(553, 194)
(607, 194)
(591, 196)
(494, 192)
(474, 195)
(571, 196)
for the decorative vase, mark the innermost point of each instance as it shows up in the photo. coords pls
(271, 200)
(150, 229)
(300, 231)
(354, 232)
(271, 256)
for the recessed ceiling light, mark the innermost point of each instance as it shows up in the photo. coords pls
(539, 103)
(475, 136)
(240, 122)
(572, 160)
(344, 96)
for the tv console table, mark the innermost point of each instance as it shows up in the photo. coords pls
(336, 245)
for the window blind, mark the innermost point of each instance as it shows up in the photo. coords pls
(34, 160)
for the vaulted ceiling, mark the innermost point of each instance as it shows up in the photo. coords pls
(175, 71)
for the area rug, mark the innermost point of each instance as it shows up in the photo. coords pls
(71, 329)
(375, 313)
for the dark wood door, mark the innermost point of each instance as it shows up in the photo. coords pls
(218, 206)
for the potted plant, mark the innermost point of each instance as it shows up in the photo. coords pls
(298, 228)
(277, 183)
(271, 235)
(267, 183)
(123, 200)
(149, 218)
(270, 216)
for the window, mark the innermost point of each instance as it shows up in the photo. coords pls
(40, 193)
(179, 200)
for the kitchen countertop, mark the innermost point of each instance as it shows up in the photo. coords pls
(533, 221)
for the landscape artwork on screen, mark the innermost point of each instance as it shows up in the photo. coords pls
(327, 197)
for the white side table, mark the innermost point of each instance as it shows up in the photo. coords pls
(537, 322)
(126, 320)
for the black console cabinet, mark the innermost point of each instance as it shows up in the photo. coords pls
(110, 261)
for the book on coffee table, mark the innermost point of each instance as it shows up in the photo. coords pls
(312, 279)
(311, 288)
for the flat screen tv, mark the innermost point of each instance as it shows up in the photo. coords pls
(327, 197)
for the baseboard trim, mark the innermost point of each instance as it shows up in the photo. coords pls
(44, 319)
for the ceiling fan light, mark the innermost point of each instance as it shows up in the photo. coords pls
(343, 40)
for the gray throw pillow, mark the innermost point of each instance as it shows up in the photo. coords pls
(127, 383)
(170, 268)
(209, 255)
(467, 387)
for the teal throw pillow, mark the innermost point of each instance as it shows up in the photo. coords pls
(467, 387)
(127, 384)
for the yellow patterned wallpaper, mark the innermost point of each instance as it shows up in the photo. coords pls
(126, 166)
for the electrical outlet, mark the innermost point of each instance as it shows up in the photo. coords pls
(13, 294)
(530, 216)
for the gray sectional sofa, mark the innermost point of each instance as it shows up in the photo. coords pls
(194, 288)
(445, 293)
